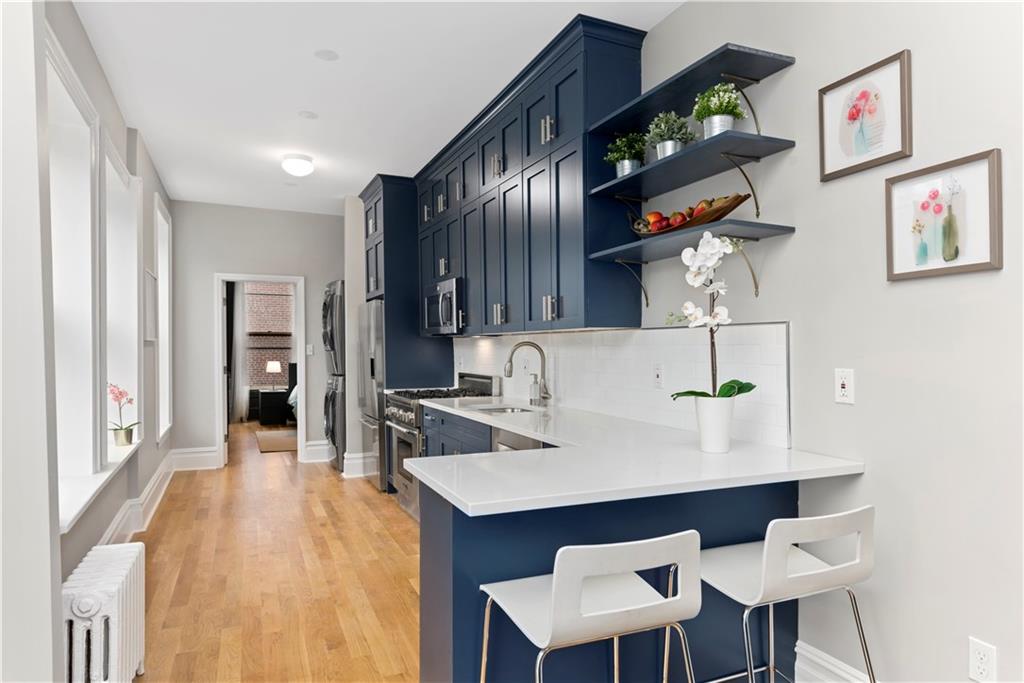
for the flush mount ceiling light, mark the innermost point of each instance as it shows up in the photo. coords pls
(326, 55)
(298, 165)
(306, 114)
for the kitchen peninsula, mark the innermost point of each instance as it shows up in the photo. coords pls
(496, 516)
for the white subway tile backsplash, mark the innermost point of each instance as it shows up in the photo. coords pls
(612, 371)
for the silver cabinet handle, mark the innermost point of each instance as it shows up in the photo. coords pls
(462, 319)
(543, 131)
(442, 266)
(458, 191)
(550, 121)
(553, 304)
(425, 209)
(373, 283)
(373, 225)
(544, 308)
(494, 314)
(499, 162)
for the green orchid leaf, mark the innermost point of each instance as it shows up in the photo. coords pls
(746, 388)
(691, 392)
(727, 390)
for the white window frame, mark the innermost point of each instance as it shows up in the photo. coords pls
(134, 186)
(160, 212)
(58, 59)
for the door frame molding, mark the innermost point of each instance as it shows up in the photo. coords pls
(298, 343)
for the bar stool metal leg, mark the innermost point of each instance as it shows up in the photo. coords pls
(487, 633)
(860, 633)
(687, 660)
(538, 672)
(747, 644)
(664, 664)
(771, 642)
(615, 656)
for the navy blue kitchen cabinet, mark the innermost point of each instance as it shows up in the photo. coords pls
(448, 434)
(517, 176)
(392, 275)
(472, 244)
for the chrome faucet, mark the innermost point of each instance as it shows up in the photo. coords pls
(543, 395)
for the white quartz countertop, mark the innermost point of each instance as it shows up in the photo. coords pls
(600, 458)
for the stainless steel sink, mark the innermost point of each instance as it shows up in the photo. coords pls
(504, 409)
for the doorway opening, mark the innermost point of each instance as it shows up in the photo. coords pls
(260, 364)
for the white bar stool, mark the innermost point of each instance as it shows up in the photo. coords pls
(775, 570)
(594, 594)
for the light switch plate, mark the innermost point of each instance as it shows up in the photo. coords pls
(309, 349)
(659, 376)
(844, 385)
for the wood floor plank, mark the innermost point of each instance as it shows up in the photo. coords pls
(272, 570)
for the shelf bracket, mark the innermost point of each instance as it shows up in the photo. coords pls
(633, 204)
(627, 264)
(733, 159)
(743, 82)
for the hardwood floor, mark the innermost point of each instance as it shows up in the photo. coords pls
(270, 570)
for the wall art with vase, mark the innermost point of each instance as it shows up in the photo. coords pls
(864, 120)
(945, 218)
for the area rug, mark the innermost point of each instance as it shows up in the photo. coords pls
(278, 440)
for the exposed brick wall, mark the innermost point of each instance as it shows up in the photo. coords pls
(269, 307)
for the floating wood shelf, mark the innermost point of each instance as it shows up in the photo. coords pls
(696, 161)
(732, 63)
(671, 244)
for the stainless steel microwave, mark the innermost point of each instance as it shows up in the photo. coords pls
(442, 312)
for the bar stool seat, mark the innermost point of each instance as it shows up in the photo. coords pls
(735, 570)
(528, 603)
(594, 594)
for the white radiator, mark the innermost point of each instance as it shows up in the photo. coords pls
(105, 614)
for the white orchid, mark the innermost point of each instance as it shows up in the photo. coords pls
(717, 288)
(703, 260)
(694, 314)
(720, 316)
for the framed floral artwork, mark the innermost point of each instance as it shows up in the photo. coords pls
(945, 218)
(864, 119)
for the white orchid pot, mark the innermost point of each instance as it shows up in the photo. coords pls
(719, 123)
(714, 419)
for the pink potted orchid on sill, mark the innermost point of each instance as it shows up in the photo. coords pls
(121, 398)
(714, 408)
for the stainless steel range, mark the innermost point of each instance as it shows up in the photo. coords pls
(404, 422)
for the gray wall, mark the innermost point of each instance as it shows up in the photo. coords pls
(132, 479)
(213, 238)
(937, 360)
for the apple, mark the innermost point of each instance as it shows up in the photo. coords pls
(659, 225)
(654, 216)
(698, 210)
(677, 218)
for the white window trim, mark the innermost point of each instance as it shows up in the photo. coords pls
(160, 211)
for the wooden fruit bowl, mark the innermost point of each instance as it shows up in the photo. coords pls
(715, 213)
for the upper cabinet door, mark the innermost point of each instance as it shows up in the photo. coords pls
(566, 95)
(510, 197)
(469, 174)
(500, 147)
(537, 245)
(473, 304)
(536, 109)
(372, 221)
(440, 265)
(491, 262)
(451, 189)
(375, 270)
(510, 141)
(453, 246)
(425, 211)
(567, 309)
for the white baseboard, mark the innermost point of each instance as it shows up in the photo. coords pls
(195, 458)
(815, 666)
(360, 465)
(136, 513)
(318, 451)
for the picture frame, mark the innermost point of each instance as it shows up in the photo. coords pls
(946, 218)
(858, 127)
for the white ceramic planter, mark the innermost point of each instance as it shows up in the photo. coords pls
(714, 418)
(713, 125)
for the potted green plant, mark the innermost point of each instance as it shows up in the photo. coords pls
(668, 133)
(122, 431)
(718, 108)
(627, 153)
(714, 408)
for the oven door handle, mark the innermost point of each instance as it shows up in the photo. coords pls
(408, 432)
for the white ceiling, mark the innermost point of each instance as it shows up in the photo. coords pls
(216, 88)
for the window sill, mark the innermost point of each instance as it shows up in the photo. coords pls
(76, 493)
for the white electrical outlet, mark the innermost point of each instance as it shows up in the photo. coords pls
(982, 666)
(844, 385)
(659, 376)
(309, 349)
(460, 362)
